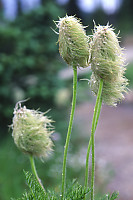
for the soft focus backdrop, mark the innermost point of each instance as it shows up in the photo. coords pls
(31, 68)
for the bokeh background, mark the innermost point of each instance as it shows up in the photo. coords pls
(30, 67)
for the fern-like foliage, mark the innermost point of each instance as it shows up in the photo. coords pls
(74, 192)
(114, 196)
(36, 192)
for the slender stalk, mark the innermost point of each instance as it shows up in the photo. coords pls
(33, 168)
(69, 130)
(89, 147)
(91, 141)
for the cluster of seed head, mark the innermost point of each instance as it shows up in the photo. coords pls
(32, 131)
(73, 42)
(107, 63)
(103, 53)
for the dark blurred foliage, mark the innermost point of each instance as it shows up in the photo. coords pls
(28, 62)
(121, 19)
(125, 17)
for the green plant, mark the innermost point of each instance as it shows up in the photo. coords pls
(107, 82)
(31, 134)
(74, 48)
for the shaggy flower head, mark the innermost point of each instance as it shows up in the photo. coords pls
(73, 42)
(32, 131)
(107, 63)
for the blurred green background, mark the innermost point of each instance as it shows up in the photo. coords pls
(31, 68)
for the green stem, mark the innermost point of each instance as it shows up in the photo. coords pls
(33, 168)
(69, 130)
(91, 141)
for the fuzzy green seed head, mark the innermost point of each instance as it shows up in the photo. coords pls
(73, 42)
(106, 55)
(107, 63)
(32, 131)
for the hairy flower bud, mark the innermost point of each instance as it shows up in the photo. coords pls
(73, 42)
(31, 131)
(112, 92)
(107, 63)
